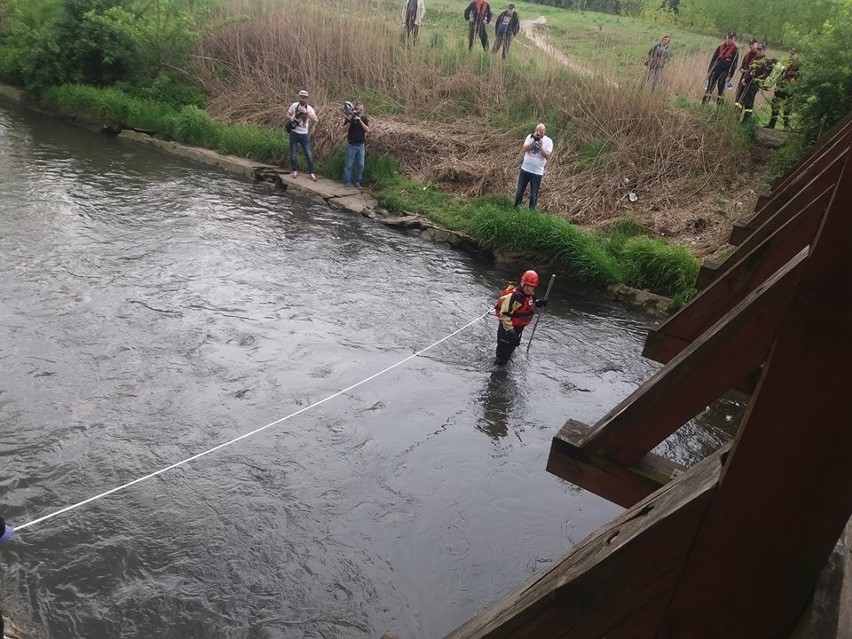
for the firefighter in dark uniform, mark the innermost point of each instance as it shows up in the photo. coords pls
(748, 58)
(758, 71)
(515, 309)
(783, 93)
(721, 69)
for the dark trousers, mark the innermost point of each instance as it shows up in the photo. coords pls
(505, 347)
(747, 100)
(718, 78)
(477, 26)
(524, 178)
(502, 42)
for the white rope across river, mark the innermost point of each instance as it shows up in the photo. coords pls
(246, 435)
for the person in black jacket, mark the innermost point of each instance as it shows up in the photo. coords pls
(721, 69)
(506, 27)
(478, 14)
(757, 73)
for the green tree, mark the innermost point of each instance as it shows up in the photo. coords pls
(823, 89)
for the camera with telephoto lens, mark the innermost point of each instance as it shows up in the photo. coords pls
(350, 110)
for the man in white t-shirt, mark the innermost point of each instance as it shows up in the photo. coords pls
(537, 149)
(300, 116)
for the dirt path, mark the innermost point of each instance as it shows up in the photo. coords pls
(532, 29)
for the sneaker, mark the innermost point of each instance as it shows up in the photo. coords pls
(346, 185)
(295, 174)
(357, 185)
(313, 177)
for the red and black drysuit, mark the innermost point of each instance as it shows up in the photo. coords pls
(478, 14)
(721, 70)
(782, 96)
(748, 58)
(514, 309)
(759, 70)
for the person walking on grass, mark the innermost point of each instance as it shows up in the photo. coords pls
(537, 149)
(656, 61)
(358, 126)
(505, 28)
(721, 68)
(478, 15)
(515, 309)
(412, 15)
(300, 117)
(748, 58)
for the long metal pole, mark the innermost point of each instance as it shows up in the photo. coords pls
(538, 315)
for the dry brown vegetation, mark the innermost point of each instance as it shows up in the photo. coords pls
(457, 119)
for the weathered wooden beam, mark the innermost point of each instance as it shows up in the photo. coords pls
(789, 206)
(619, 484)
(765, 209)
(840, 128)
(712, 364)
(617, 581)
(786, 492)
(670, 337)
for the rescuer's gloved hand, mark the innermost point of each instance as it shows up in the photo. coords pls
(540, 303)
(513, 337)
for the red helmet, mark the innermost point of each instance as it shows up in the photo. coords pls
(529, 278)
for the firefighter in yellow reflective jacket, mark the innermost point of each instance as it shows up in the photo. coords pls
(515, 309)
(782, 77)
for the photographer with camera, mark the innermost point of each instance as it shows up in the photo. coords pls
(300, 116)
(358, 125)
(537, 149)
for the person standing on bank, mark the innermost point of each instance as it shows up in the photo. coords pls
(358, 126)
(505, 28)
(721, 69)
(412, 15)
(300, 117)
(656, 61)
(755, 80)
(478, 15)
(748, 58)
(537, 149)
(515, 309)
(782, 99)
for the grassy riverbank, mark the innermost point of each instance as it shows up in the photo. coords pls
(445, 144)
(621, 254)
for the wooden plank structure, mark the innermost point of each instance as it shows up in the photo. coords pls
(732, 546)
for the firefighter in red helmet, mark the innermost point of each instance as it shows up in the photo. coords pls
(514, 309)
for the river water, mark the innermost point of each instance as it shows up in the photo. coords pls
(151, 309)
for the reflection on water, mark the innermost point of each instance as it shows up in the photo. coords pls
(152, 309)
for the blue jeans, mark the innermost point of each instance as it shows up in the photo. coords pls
(354, 155)
(305, 141)
(534, 181)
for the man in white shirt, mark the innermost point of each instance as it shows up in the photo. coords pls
(300, 116)
(537, 149)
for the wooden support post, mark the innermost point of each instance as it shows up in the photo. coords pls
(617, 581)
(768, 207)
(696, 377)
(619, 484)
(790, 206)
(786, 492)
(668, 339)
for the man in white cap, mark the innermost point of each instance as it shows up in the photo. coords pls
(300, 116)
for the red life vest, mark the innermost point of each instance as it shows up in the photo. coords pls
(524, 314)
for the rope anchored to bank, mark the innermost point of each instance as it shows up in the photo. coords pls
(250, 433)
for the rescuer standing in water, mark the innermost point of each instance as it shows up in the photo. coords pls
(515, 309)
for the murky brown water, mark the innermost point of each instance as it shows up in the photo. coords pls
(151, 309)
